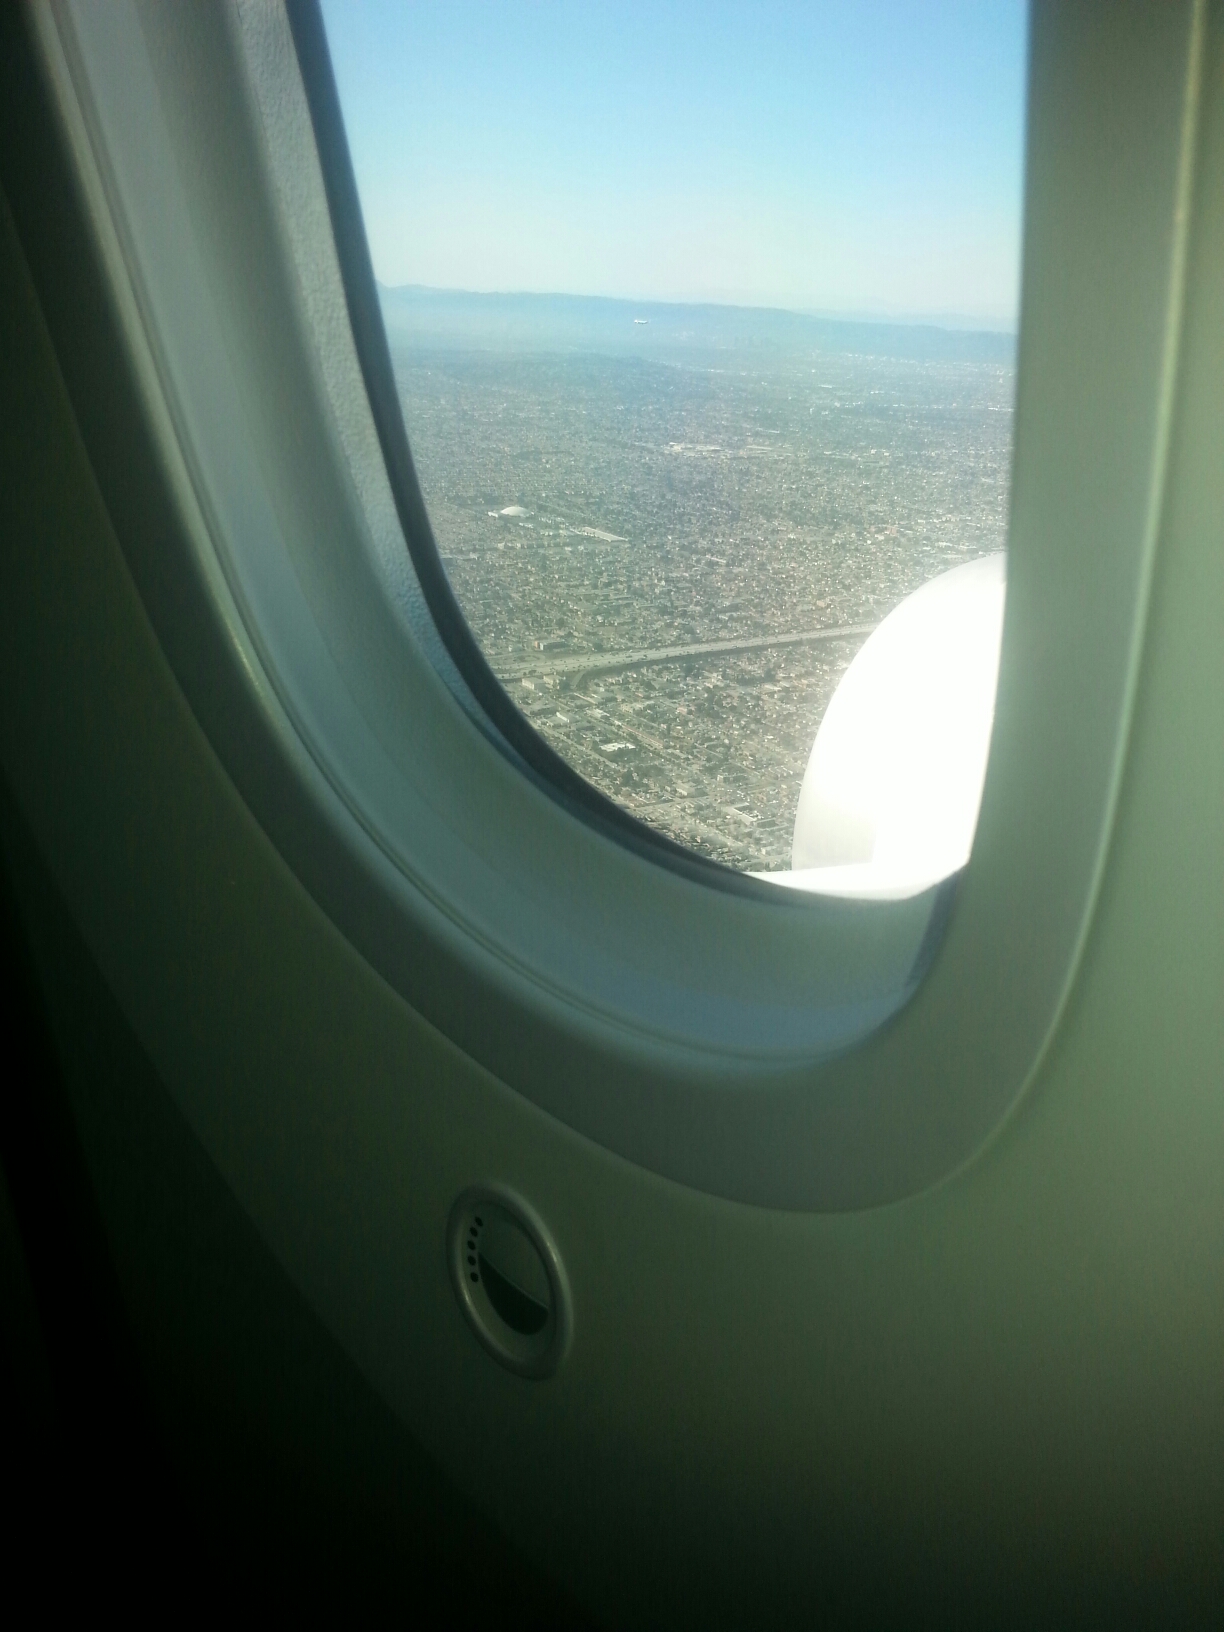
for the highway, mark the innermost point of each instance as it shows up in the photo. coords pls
(616, 662)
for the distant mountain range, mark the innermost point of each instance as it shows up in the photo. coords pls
(665, 332)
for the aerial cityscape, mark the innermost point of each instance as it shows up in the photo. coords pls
(671, 528)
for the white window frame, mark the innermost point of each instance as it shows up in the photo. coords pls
(758, 1045)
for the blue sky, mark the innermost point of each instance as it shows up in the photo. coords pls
(850, 157)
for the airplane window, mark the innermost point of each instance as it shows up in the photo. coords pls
(703, 325)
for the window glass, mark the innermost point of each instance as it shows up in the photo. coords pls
(703, 322)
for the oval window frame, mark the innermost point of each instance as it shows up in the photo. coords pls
(645, 1048)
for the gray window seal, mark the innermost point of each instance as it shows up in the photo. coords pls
(822, 1095)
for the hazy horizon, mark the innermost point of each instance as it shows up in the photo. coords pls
(847, 161)
(954, 322)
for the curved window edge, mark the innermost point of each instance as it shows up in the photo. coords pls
(907, 1106)
(511, 730)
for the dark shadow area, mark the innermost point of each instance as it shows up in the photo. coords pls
(176, 1421)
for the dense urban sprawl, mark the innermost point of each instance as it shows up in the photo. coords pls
(670, 564)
